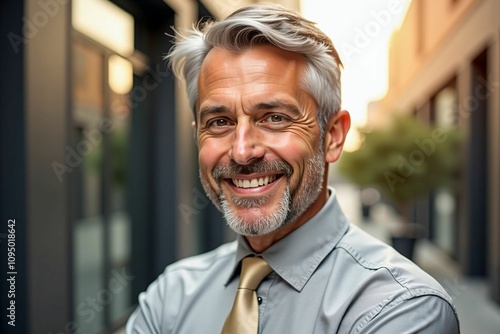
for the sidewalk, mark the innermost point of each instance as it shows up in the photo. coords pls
(477, 313)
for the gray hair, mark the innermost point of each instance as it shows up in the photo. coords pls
(265, 24)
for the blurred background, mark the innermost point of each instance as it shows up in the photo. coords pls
(99, 164)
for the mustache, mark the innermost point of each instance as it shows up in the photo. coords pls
(262, 166)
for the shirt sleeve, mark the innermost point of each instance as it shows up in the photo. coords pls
(146, 317)
(428, 314)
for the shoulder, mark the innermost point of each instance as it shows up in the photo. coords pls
(179, 282)
(371, 255)
(388, 285)
(203, 262)
(193, 271)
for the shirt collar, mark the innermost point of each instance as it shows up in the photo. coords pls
(295, 257)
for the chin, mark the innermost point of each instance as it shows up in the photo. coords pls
(257, 221)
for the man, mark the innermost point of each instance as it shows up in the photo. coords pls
(264, 85)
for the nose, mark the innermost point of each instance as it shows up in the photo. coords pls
(247, 145)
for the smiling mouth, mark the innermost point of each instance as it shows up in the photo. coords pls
(254, 183)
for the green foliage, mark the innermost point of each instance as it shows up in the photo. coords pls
(406, 160)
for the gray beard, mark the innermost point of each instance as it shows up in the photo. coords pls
(260, 225)
(292, 204)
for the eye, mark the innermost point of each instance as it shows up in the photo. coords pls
(276, 121)
(219, 122)
(219, 125)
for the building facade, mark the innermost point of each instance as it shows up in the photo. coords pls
(99, 165)
(444, 68)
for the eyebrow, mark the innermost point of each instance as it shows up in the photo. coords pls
(217, 109)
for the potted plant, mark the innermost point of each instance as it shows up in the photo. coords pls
(406, 160)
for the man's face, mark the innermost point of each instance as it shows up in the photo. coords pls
(260, 155)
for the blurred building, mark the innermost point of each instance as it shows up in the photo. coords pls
(99, 165)
(444, 68)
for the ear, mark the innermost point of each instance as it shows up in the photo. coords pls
(335, 134)
(195, 134)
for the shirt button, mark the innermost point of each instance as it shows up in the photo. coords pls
(259, 300)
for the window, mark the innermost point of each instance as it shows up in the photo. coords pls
(102, 80)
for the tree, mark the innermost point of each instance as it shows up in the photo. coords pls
(405, 161)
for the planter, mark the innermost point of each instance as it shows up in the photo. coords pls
(404, 245)
(369, 197)
(366, 211)
(405, 237)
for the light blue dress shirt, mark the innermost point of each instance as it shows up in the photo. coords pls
(329, 277)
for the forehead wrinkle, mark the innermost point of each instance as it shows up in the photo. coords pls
(230, 63)
(242, 75)
(276, 103)
(239, 62)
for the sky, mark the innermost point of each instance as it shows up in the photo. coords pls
(360, 31)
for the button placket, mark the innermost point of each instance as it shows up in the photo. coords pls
(263, 293)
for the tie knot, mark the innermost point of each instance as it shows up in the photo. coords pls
(253, 271)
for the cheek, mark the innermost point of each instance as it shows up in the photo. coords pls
(297, 143)
(210, 153)
(296, 148)
(307, 138)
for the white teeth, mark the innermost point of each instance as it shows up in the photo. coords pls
(253, 183)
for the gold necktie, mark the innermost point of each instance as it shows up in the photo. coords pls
(244, 316)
